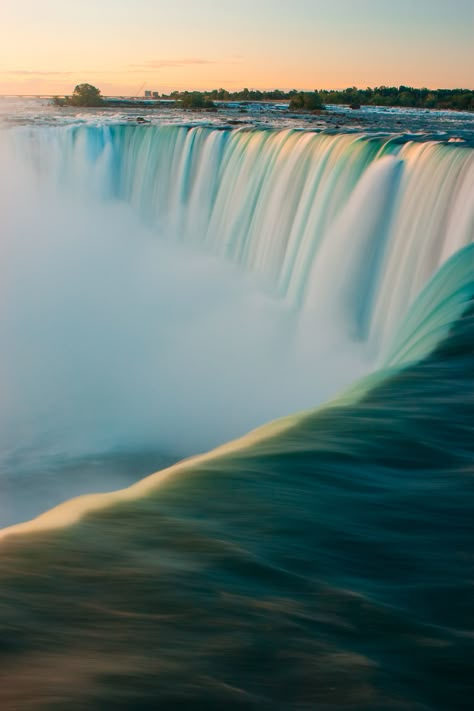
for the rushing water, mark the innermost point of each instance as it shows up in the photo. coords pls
(168, 288)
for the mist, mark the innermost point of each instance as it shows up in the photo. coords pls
(164, 290)
(115, 338)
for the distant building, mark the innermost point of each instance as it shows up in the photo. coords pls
(147, 94)
(156, 94)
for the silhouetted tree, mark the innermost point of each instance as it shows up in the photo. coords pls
(306, 101)
(196, 100)
(86, 95)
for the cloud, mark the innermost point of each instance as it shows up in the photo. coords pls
(163, 63)
(153, 65)
(149, 66)
(29, 73)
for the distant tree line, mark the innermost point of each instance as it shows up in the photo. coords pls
(406, 96)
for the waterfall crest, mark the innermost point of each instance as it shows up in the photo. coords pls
(182, 285)
(368, 219)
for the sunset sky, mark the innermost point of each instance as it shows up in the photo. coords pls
(124, 47)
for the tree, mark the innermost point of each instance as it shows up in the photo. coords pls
(86, 95)
(306, 101)
(196, 100)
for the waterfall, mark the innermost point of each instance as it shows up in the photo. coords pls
(370, 219)
(180, 285)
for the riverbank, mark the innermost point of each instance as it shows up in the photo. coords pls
(412, 124)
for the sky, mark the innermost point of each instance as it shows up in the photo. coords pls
(125, 47)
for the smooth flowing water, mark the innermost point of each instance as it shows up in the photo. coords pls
(165, 289)
(171, 288)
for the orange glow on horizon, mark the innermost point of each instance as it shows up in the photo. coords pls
(49, 47)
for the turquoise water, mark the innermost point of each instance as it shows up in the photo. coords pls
(326, 559)
(329, 566)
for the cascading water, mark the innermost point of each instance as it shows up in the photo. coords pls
(169, 288)
(257, 273)
(276, 202)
